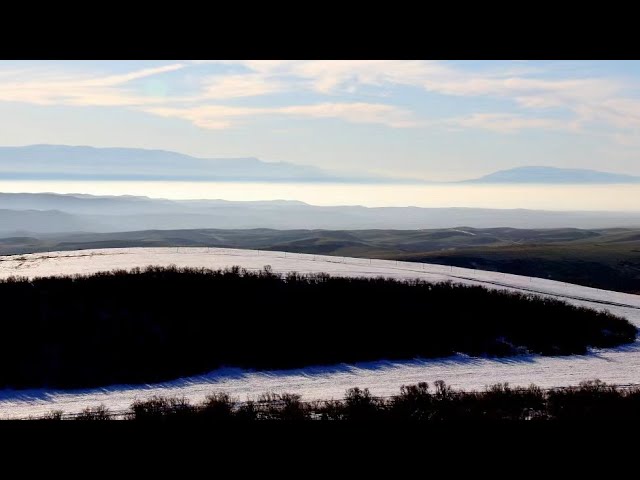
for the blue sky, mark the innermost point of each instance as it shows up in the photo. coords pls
(426, 119)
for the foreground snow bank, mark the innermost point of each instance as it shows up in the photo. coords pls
(619, 366)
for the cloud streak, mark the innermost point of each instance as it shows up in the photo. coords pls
(508, 123)
(221, 116)
(535, 96)
(54, 88)
(534, 92)
(245, 85)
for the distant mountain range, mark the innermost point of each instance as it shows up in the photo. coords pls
(61, 162)
(25, 214)
(550, 175)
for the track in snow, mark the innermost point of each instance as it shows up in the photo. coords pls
(621, 365)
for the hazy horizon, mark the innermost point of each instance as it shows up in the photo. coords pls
(623, 198)
(365, 122)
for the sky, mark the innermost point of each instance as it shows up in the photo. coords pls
(433, 120)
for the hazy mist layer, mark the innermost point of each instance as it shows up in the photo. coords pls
(615, 197)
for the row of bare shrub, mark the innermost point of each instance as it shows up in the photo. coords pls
(590, 401)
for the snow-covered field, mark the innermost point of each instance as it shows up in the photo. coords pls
(621, 365)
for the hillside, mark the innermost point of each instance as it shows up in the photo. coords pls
(602, 258)
(162, 323)
(618, 365)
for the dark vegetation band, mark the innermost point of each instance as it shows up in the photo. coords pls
(161, 323)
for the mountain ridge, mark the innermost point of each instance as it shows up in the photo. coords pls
(64, 162)
(83, 162)
(553, 175)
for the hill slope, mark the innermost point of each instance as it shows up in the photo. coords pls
(608, 258)
(621, 366)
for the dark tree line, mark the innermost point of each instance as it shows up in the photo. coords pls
(162, 323)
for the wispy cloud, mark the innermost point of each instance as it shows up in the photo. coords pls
(112, 80)
(531, 90)
(220, 116)
(507, 122)
(247, 85)
(56, 88)
(534, 94)
(357, 113)
(333, 76)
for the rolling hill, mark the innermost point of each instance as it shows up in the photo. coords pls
(127, 213)
(602, 258)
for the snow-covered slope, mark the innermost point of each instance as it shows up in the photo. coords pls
(621, 365)
(91, 261)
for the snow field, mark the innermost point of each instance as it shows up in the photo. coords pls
(620, 365)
